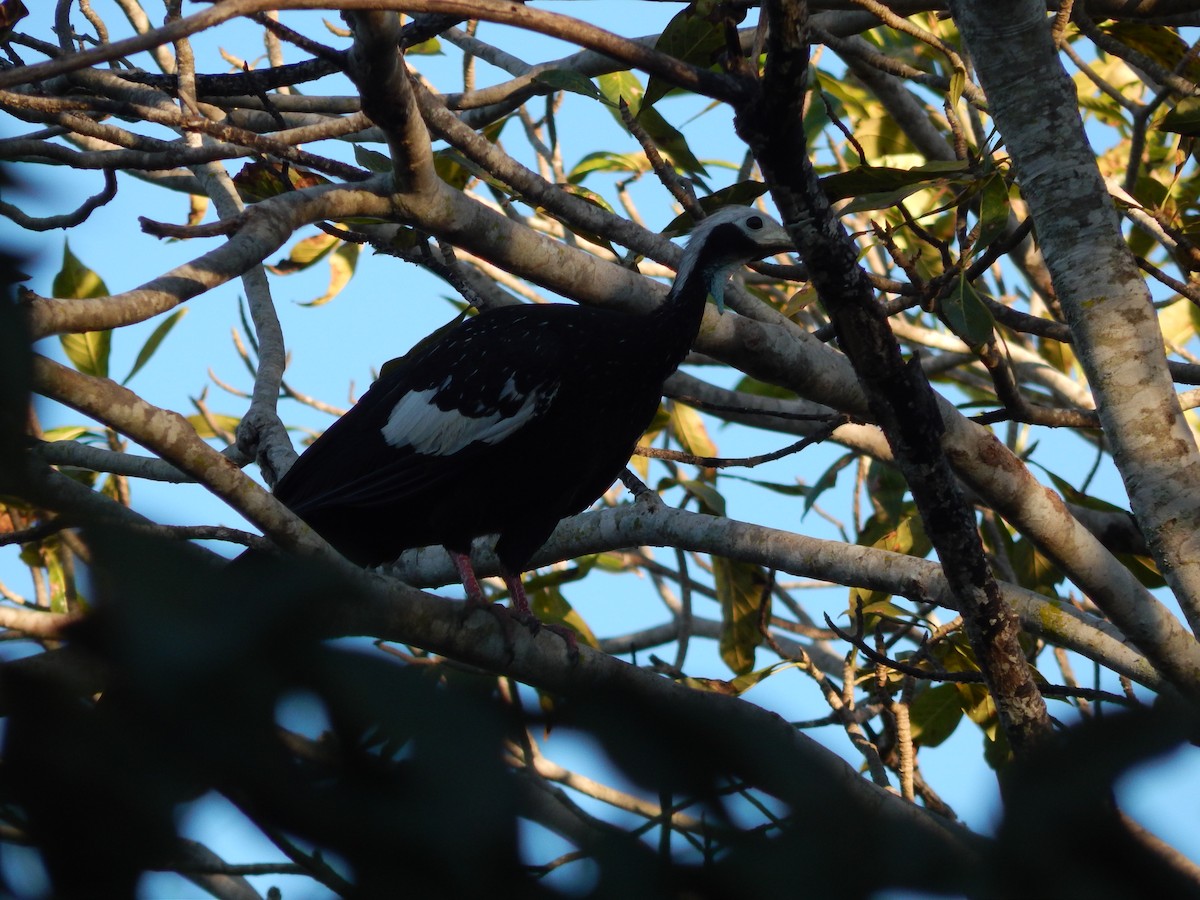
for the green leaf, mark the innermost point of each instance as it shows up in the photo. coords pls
(152, 342)
(750, 385)
(906, 536)
(690, 38)
(1177, 323)
(800, 300)
(1072, 495)
(743, 683)
(887, 489)
(934, 714)
(827, 480)
(1143, 568)
(71, 433)
(711, 500)
(1163, 45)
(977, 703)
(958, 81)
(955, 654)
(89, 351)
(997, 752)
(372, 160)
(605, 562)
(52, 557)
(618, 86)
(788, 490)
(994, 209)
(569, 80)
(878, 187)
(816, 115)
(429, 47)
(741, 590)
(606, 161)
(965, 313)
(75, 281)
(1033, 570)
(882, 608)
(456, 170)
(738, 685)
(742, 193)
(552, 607)
(262, 180)
(1183, 119)
(342, 264)
(669, 141)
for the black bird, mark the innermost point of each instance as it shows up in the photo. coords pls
(511, 420)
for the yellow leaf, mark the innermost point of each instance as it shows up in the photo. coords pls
(741, 590)
(689, 428)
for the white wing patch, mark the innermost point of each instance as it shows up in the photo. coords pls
(418, 422)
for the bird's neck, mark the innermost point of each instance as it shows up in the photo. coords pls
(676, 322)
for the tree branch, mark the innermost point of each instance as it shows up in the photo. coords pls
(869, 568)
(268, 225)
(898, 395)
(170, 436)
(1118, 340)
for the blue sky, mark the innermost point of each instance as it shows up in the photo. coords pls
(389, 305)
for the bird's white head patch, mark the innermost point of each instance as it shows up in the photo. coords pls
(730, 237)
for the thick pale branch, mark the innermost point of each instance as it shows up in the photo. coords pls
(261, 434)
(170, 436)
(838, 563)
(268, 225)
(36, 623)
(75, 454)
(989, 468)
(1096, 279)
(377, 67)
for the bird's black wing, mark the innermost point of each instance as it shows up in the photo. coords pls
(434, 411)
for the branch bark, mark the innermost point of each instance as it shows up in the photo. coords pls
(640, 524)
(1096, 279)
(897, 393)
(172, 438)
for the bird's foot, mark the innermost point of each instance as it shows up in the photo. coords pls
(568, 635)
(530, 620)
(503, 616)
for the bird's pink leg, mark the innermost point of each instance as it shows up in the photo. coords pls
(521, 610)
(523, 613)
(516, 590)
(466, 574)
(475, 598)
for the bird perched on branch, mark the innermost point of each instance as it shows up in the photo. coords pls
(511, 420)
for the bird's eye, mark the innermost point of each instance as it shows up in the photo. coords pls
(754, 222)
